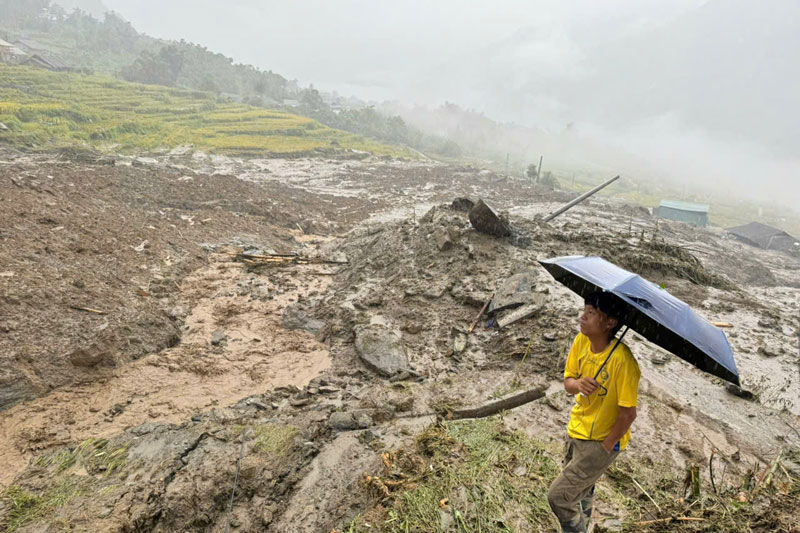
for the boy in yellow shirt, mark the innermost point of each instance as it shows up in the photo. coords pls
(600, 421)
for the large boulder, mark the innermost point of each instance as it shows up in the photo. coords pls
(381, 350)
(484, 219)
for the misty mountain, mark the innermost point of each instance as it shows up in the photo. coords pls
(728, 67)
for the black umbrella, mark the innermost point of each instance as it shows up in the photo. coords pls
(651, 311)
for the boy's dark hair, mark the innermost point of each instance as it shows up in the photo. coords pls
(610, 305)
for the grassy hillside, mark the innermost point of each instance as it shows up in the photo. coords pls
(43, 109)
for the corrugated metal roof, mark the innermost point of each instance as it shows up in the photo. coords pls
(685, 206)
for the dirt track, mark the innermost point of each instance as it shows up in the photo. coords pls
(74, 235)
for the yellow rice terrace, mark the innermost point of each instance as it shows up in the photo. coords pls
(43, 109)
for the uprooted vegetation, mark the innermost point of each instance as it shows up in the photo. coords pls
(472, 475)
(477, 475)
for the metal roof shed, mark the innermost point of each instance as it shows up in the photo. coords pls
(689, 213)
(766, 237)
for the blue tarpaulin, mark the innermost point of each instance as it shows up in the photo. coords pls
(651, 311)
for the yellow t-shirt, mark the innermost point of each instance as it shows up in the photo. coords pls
(592, 418)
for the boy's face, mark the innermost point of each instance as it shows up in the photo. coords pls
(596, 323)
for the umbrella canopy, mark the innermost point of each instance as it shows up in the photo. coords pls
(651, 311)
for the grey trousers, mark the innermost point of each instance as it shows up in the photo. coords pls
(570, 495)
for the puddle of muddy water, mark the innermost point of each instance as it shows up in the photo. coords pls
(257, 354)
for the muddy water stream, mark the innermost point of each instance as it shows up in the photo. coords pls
(254, 353)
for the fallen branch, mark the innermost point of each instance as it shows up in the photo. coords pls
(87, 309)
(284, 258)
(483, 310)
(646, 494)
(670, 519)
(501, 405)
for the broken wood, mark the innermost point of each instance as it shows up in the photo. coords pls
(766, 478)
(722, 324)
(284, 258)
(483, 310)
(87, 309)
(501, 405)
(669, 520)
(646, 494)
(692, 482)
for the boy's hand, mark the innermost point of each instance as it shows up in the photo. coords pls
(587, 386)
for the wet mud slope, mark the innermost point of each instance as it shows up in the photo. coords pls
(318, 386)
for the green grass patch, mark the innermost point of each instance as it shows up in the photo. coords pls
(468, 476)
(44, 110)
(26, 507)
(95, 455)
(275, 439)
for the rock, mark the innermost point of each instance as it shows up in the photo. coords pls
(346, 420)
(514, 292)
(363, 421)
(549, 336)
(328, 389)
(462, 204)
(459, 341)
(767, 352)
(485, 220)
(295, 318)
(738, 391)
(381, 350)
(299, 402)
(612, 524)
(342, 420)
(446, 521)
(89, 356)
(523, 312)
(442, 238)
(218, 337)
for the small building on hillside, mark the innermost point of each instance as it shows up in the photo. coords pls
(48, 61)
(9, 53)
(29, 46)
(696, 214)
(766, 237)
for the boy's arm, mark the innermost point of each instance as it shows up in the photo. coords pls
(625, 418)
(585, 386)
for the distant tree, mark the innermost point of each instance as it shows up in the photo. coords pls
(162, 68)
(549, 181)
(311, 101)
(531, 172)
(17, 13)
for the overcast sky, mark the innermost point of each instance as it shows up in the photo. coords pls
(387, 49)
(709, 83)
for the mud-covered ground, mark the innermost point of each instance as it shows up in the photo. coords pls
(145, 362)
